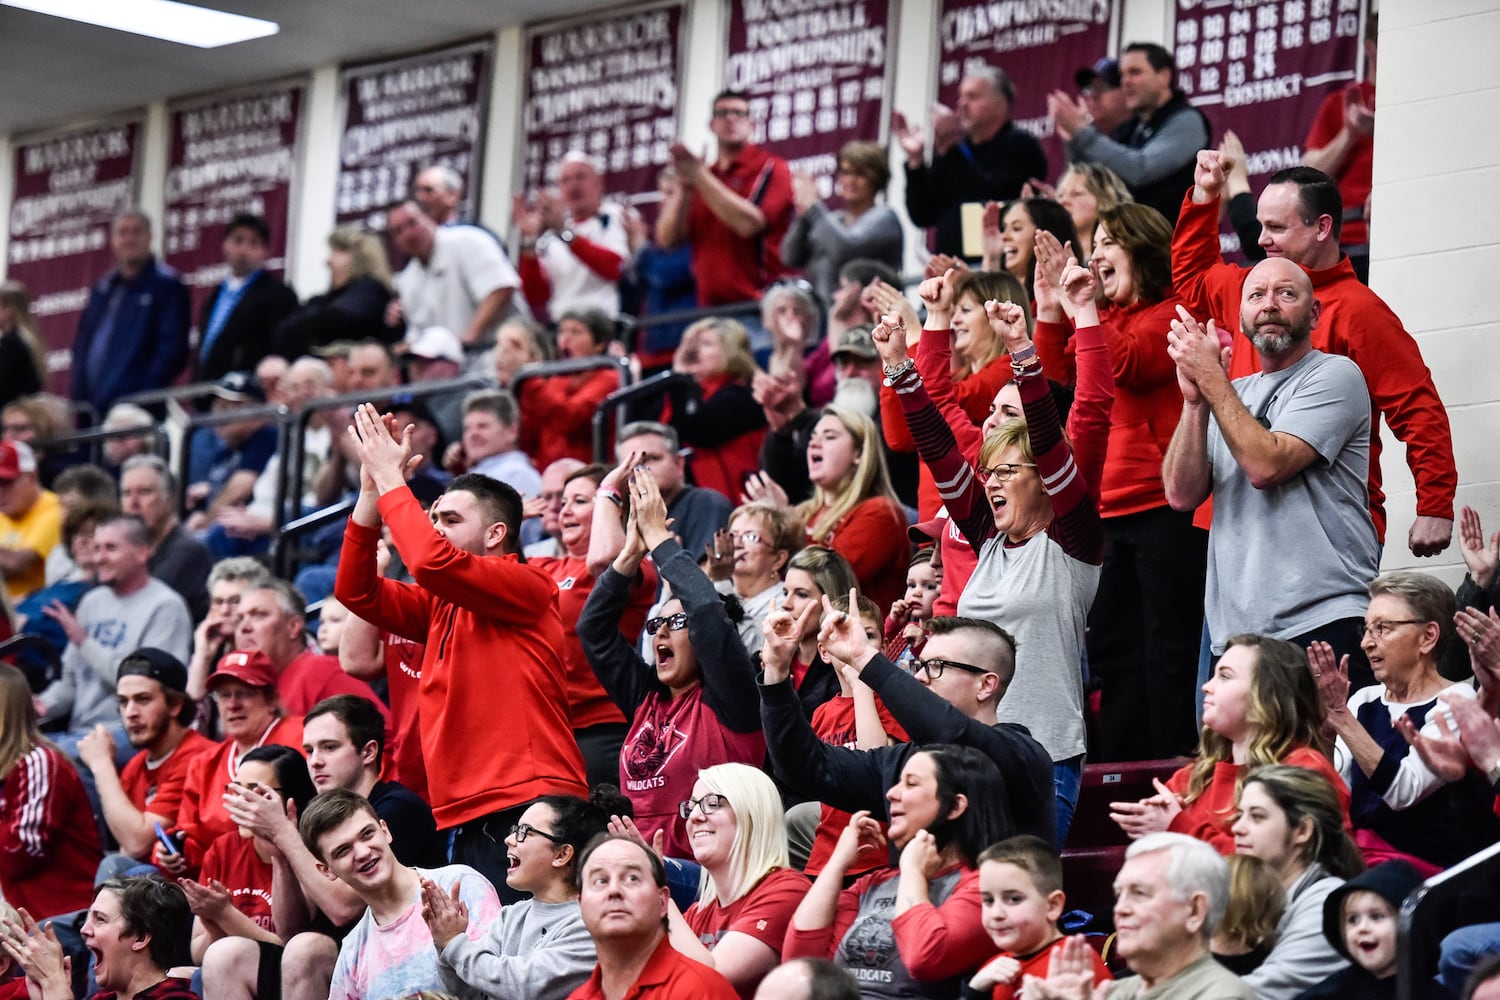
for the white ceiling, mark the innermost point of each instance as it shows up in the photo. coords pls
(55, 71)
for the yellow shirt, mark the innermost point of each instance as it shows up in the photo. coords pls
(39, 529)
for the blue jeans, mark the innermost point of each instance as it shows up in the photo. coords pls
(1462, 950)
(1067, 777)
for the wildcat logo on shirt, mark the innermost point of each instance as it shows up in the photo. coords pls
(651, 750)
(870, 944)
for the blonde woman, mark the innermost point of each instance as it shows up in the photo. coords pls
(1087, 190)
(23, 356)
(749, 893)
(353, 308)
(713, 409)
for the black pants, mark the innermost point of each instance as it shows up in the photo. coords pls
(600, 746)
(480, 844)
(1144, 632)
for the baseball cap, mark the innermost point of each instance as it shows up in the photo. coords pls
(157, 664)
(930, 530)
(240, 387)
(252, 668)
(336, 349)
(16, 459)
(856, 341)
(1106, 69)
(437, 343)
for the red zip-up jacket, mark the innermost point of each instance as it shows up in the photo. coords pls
(492, 705)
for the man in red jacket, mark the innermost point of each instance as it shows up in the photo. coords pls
(1301, 215)
(492, 707)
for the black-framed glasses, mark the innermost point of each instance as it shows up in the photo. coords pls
(934, 667)
(1382, 629)
(710, 803)
(523, 830)
(676, 623)
(731, 112)
(1002, 473)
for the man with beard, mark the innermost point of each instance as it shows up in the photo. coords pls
(1285, 453)
(156, 711)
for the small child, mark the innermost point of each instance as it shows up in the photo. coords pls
(903, 627)
(1359, 920)
(855, 719)
(1247, 931)
(331, 619)
(1020, 891)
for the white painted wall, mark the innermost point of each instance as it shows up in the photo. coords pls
(1435, 235)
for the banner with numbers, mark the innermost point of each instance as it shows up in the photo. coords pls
(607, 86)
(68, 188)
(1039, 45)
(227, 154)
(817, 76)
(400, 115)
(1261, 68)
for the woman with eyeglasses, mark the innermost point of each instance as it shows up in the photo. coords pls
(821, 240)
(1400, 808)
(914, 930)
(739, 921)
(750, 559)
(538, 947)
(699, 705)
(1143, 635)
(1029, 510)
(1259, 707)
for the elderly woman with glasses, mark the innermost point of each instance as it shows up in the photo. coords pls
(699, 706)
(1399, 807)
(1029, 511)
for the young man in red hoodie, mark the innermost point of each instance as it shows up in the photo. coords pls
(492, 707)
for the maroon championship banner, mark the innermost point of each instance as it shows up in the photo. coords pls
(400, 115)
(816, 76)
(1261, 68)
(607, 86)
(228, 154)
(1039, 45)
(68, 188)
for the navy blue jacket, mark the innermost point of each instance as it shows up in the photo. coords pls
(148, 345)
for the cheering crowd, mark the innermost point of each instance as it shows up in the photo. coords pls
(792, 694)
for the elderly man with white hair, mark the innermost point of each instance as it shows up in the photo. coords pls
(573, 243)
(1170, 894)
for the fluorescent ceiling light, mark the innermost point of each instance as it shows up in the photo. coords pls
(165, 19)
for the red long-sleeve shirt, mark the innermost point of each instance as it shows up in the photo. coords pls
(1354, 322)
(493, 706)
(49, 844)
(1210, 816)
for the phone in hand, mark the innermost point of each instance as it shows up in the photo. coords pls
(165, 839)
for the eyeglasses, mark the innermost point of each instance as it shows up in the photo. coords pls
(1382, 629)
(676, 623)
(710, 803)
(1003, 473)
(523, 830)
(731, 112)
(748, 537)
(934, 667)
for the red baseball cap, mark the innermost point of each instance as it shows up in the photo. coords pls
(16, 459)
(253, 668)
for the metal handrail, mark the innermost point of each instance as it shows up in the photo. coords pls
(95, 437)
(1412, 980)
(619, 399)
(281, 551)
(271, 413)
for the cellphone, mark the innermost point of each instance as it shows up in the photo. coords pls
(166, 841)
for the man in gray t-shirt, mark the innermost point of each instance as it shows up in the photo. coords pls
(1285, 454)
